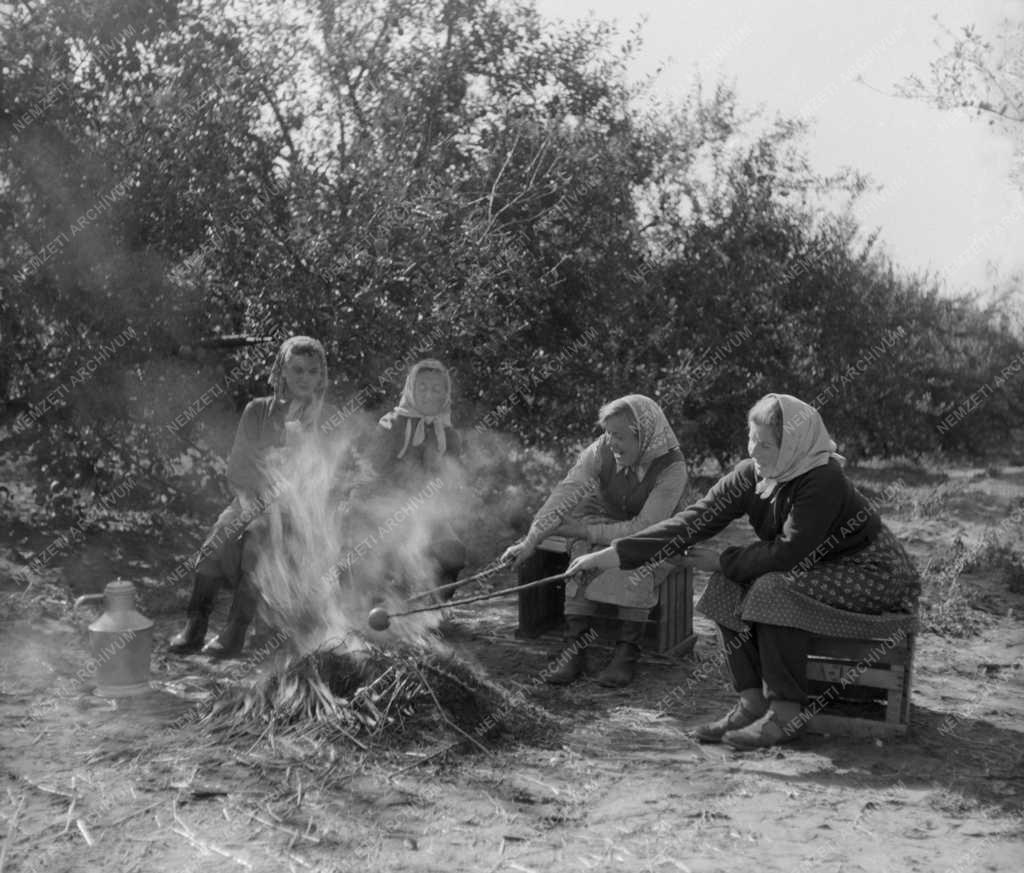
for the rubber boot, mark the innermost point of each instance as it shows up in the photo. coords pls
(622, 667)
(200, 605)
(230, 641)
(571, 661)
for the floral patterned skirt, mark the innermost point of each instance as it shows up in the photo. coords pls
(866, 595)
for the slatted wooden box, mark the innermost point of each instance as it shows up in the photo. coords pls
(669, 627)
(861, 687)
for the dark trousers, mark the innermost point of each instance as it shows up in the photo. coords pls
(770, 654)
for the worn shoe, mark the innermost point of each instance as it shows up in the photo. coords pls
(764, 733)
(622, 667)
(593, 659)
(230, 641)
(200, 605)
(575, 657)
(191, 639)
(735, 719)
(570, 667)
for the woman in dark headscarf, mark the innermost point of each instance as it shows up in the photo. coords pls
(269, 425)
(824, 564)
(627, 479)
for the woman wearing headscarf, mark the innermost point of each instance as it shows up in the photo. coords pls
(269, 428)
(626, 480)
(413, 445)
(824, 564)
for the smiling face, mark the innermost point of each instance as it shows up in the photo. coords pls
(624, 443)
(429, 391)
(763, 448)
(301, 375)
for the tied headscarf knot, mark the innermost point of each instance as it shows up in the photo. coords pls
(805, 445)
(416, 421)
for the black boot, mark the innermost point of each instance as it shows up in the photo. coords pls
(622, 667)
(230, 641)
(200, 605)
(572, 660)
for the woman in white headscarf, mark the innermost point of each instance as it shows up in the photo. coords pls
(824, 565)
(626, 480)
(412, 448)
(268, 427)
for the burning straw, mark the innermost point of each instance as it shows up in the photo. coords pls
(375, 696)
(324, 562)
(320, 570)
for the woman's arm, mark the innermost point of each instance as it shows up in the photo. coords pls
(660, 504)
(818, 498)
(246, 474)
(727, 500)
(580, 482)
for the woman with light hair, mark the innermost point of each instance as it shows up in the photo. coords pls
(293, 413)
(626, 480)
(824, 564)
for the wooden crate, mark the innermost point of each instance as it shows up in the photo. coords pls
(861, 687)
(669, 627)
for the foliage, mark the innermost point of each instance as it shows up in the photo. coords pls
(406, 178)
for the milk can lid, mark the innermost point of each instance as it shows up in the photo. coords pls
(120, 586)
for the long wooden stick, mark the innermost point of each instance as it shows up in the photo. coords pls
(458, 583)
(489, 596)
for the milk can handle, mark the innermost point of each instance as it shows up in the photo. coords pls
(86, 597)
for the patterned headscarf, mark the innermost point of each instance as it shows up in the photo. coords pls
(302, 345)
(805, 444)
(654, 433)
(407, 407)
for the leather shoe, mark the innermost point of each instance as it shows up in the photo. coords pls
(764, 733)
(735, 719)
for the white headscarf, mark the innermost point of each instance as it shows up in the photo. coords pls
(805, 445)
(407, 407)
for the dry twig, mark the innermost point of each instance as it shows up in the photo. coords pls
(12, 827)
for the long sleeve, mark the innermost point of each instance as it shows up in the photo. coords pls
(246, 468)
(728, 499)
(580, 481)
(818, 499)
(660, 504)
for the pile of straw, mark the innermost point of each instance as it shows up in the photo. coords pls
(383, 696)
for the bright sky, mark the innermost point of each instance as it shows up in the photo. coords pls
(948, 205)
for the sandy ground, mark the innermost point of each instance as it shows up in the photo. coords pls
(99, 785)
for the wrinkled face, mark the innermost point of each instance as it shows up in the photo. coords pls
(429, 391)
(761, 446)
(624, 443)
(301, 375)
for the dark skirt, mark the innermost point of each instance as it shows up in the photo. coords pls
(866, 595)
(228, 551)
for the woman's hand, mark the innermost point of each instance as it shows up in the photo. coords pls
(516, 554)
(606, 559)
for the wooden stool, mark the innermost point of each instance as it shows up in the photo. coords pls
(861, 687)
(669, 627)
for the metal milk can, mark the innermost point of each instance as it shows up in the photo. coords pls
(121, 641)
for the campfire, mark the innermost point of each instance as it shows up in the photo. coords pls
(350, 678)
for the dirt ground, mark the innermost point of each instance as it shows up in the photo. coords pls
(131, 785)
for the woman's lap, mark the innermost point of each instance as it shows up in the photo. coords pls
(845, 597)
